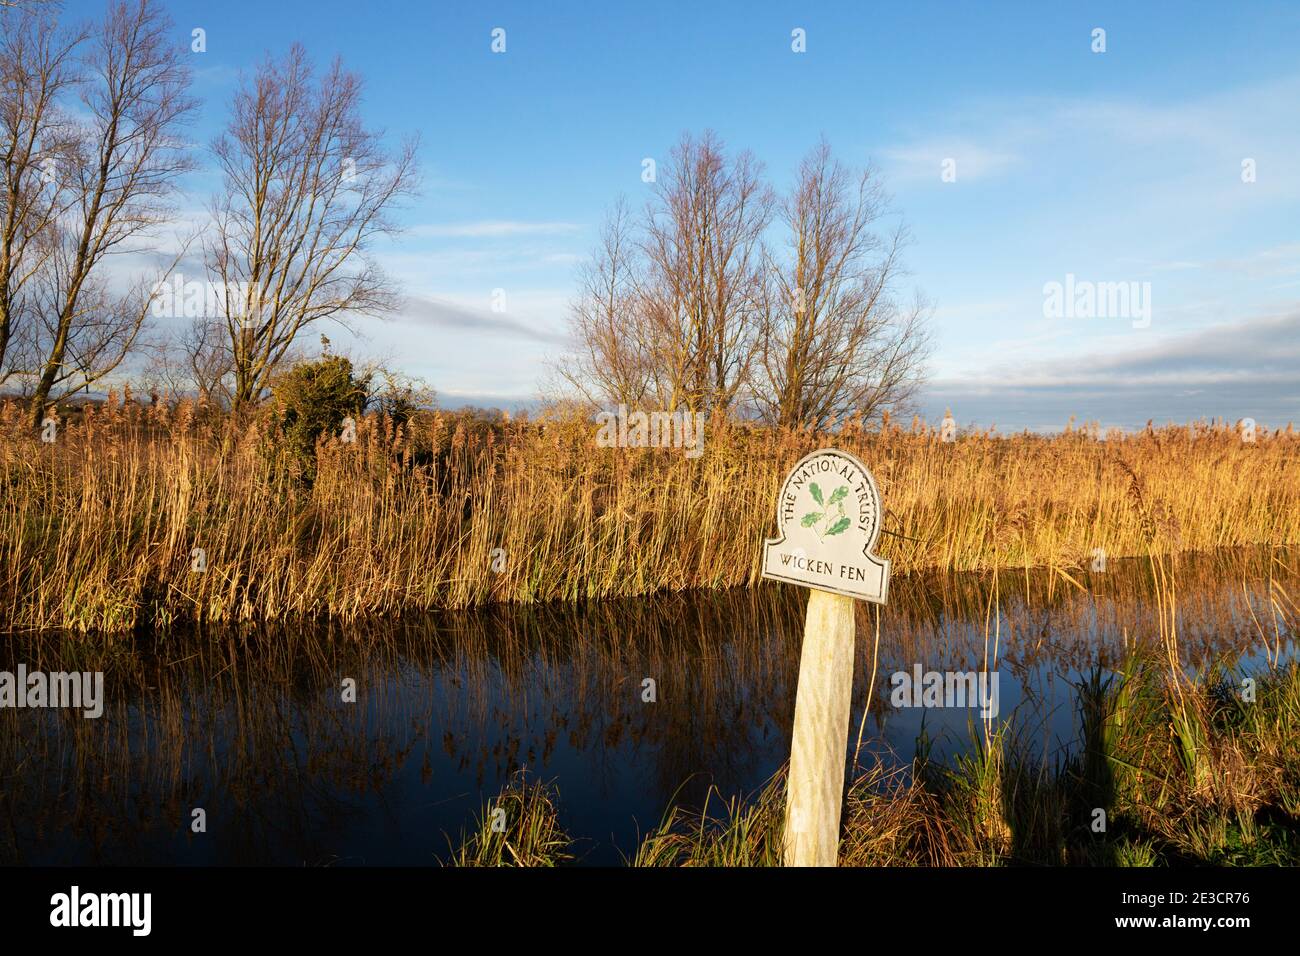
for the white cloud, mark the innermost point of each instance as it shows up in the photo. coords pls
(1231, 370)
(925, 161)
(478, 320)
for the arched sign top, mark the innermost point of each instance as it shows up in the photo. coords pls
(828, 518)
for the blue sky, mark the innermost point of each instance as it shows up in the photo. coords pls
(1122, 166)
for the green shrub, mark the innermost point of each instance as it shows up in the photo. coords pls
(312, 399)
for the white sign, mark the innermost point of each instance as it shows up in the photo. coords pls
(828, 519)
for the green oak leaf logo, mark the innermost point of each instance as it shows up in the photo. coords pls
(832, 519)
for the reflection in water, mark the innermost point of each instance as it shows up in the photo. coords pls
(253, 728)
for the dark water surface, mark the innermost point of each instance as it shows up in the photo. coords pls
(252, 727)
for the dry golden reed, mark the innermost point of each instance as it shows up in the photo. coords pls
(99, 528)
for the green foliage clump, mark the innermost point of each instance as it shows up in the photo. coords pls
(312, 399)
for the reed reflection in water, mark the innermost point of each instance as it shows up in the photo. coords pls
(252, 726)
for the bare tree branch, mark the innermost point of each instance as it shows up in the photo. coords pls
(37, 140)
(308, 189)
(834, 341)
(128, 157)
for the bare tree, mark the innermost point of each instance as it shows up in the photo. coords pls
(197, 361)
(307, 189)
(37, 68)
(208, 360)
(834, 341)
(129, 155)
(703, 252)
(610, 360)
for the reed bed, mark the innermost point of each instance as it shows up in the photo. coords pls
(99, 529)
(520, 827)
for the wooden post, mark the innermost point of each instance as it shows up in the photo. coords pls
(828, 516)
(821, 727)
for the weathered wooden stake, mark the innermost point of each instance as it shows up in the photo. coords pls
(821, 727)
